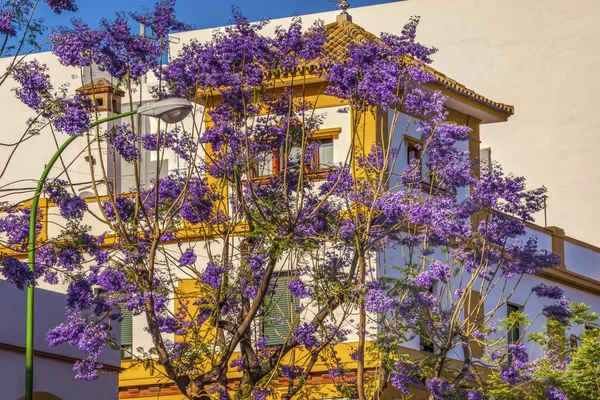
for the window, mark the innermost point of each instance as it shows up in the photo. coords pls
(272, 162)
(324, 155)
(126, 329)
(414, 151)
(514, 334)
(264, 165)
(573, 341)
(126, 334)
(281, 311)
(425, 344)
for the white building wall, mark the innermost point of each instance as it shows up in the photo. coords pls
(538, 55)
(582, 260)
(535, 55)
(55, 376)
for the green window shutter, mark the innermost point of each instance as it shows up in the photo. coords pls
(126, 334)
(281, 312)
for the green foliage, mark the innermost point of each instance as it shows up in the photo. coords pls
(570, 364)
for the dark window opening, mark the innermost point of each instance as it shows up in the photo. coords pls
(514, 333)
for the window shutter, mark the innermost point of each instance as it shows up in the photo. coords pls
(280, 316)
(126, 333)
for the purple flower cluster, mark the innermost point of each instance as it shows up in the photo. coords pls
(124, 206)
(375, 298)
(261, 394)
(68, 115)
(440, 271)
(548, 291)
(162, 19)
(70, 206)
(79, 295)
(298, 288)
(34, 81)
(439, 388)
(73, 117)
(404, 375)
(238, 363)
(188, 257)
(305, 335)
(87, 336)
(558, 311)
(58, 6)
(292, 372)
(112, 47)
(516, 371)
(16, 272)
(553, 393)
(212, 275)
(15, 226)
(122, 138)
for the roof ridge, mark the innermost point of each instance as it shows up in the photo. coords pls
(355, 33)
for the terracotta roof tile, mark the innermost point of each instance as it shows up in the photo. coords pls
(99, 85)
(343, 33)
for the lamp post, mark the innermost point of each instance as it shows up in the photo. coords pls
(170, 111)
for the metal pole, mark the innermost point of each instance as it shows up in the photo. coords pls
(31, 254)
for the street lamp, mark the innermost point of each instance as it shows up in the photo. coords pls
(170, 111)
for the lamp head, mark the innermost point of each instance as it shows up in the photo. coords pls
(170, 111)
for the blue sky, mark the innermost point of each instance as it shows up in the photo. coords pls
(201, 13)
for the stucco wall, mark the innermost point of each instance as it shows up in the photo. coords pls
(51, 375)
(538, 55)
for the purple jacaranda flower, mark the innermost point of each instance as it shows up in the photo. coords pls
(548, 291)
(439, 388)
(298, 288)
(440, 271)
(559, 311)
(423, 280)
(162, 19)
(553, 393)
(79, 295)
(404, 375)
(237, 363)
(292, 371)
(16, 272)
(34, 84)
(262, 342)
(58, 6)
(305, 335)
(124, 206)
(212, 275)
(335, 372)
(122, 138)
(479, 335)
(375, 298)
(188, 257)
(14, 224)
(474, 395)
(260, 394)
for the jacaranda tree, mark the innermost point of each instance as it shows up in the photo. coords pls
(230, 224)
